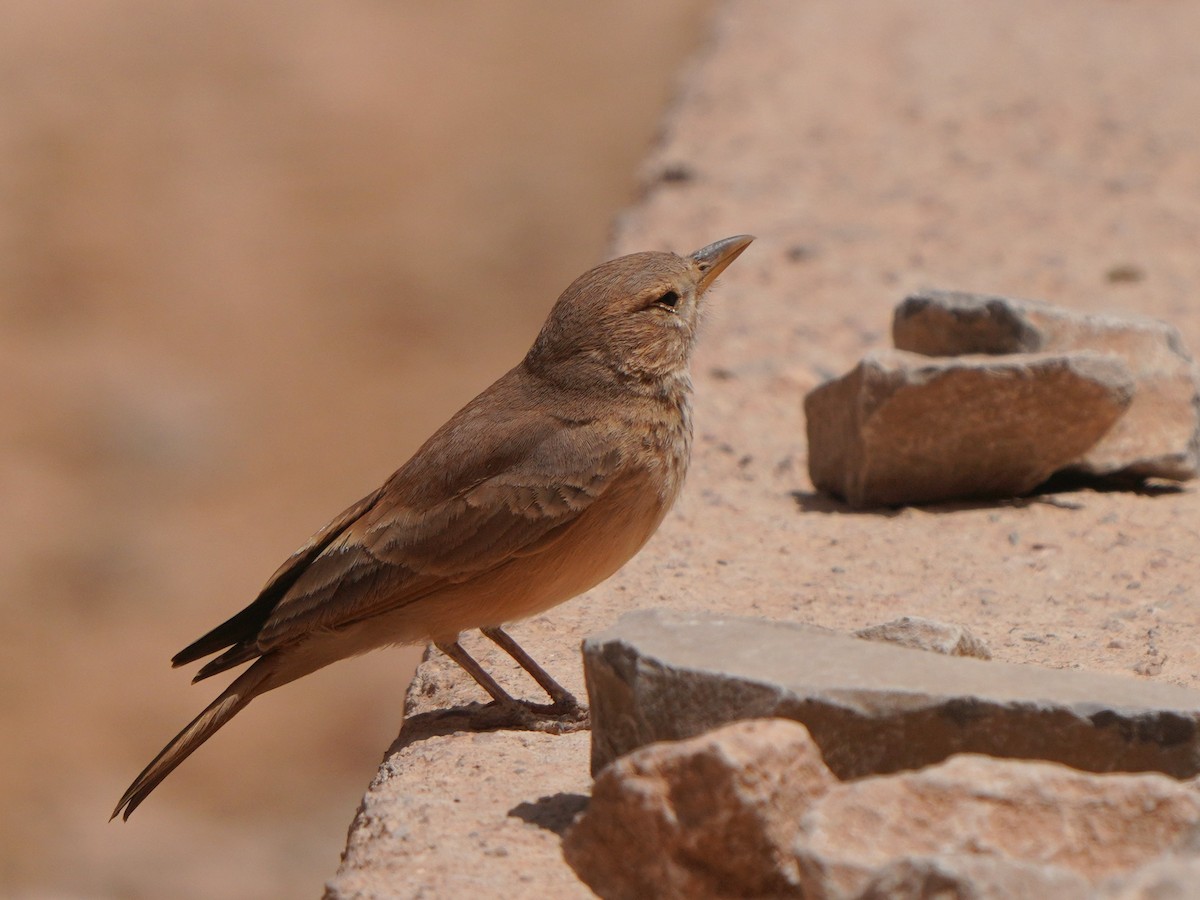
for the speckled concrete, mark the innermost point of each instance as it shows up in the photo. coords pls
(1036, 150)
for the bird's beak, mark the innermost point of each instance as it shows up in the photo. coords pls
(712, 260)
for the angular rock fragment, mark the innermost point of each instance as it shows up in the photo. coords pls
(958, 323)
(1159, 436)
(713, 816)
(873, 707)
(905, 428)
(1025, 813)
(927, 634)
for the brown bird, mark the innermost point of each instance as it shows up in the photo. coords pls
(535, 491)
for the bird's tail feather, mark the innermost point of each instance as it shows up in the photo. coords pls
(232, 700)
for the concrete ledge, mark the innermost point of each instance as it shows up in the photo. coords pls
(874, 148)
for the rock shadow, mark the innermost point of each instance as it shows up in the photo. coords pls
(554, 813)
(1045, 493)
(817, 502)
(1070, 482)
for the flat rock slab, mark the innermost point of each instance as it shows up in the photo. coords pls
(905, 428)
(1159, 435)
(873, 707)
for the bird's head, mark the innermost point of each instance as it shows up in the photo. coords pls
(635, 316)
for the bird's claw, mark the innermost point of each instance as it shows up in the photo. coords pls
(561, 717)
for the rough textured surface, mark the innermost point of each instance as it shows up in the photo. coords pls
(953, 323)
(903, 428)
(1096, 826)
(926, 634)
(466, 791)
(961, 877)
(875, 148)
(751, 810)
(486, 797)
(710, 817)
(1160, 433)
(873, 707)
(1169, 878)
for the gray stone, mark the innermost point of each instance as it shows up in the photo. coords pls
(873, 707)
(1158, 436)
(904, 428)
(927, 634)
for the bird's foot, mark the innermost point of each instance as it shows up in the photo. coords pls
(564, 716)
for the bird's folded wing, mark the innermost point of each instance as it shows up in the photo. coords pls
(398, 552)
(240, 631)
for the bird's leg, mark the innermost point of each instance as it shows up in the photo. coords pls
(563, 701)
(563, 716)
(455, 651)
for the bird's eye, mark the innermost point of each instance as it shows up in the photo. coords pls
(670, 300)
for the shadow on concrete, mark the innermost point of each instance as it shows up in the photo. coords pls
(1048, 493)
(480, 717)
(816, 502)
(553, 813)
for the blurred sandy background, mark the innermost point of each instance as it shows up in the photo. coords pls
(250, 256)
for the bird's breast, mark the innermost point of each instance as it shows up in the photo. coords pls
(604, 537)
(589, 549)
(656, 444)
(666, 439)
